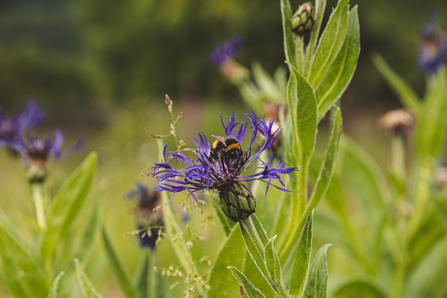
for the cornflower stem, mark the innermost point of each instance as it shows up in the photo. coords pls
(38, 198)
(151, 290)
(398, 157)
(300, 53)
(250, 228)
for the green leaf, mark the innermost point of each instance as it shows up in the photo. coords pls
(330, 160)
(255, 276)
(301, 261)
(330, 42)
(441, 210)
(289, 36)
(364, 288)
(273, 264)
(227, 224)
(21, 270)
(320, 6)
(406, 94)
(260, 229)
(303, 112)
(233, 252)
(118, 268)
(255, 250)
(142, 274)
(340, 73)
(316, 286)
(54, 286)
(67, 203)
(249, 290)
(88, 290)
(432, 123)
(366, 180)
(86, 244)
(266, 83)
(423, 277)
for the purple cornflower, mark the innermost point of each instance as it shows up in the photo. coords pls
(36, 152)
(226, 51)
(12, 128)
(226, 171)
(148, 215)
(433, 48)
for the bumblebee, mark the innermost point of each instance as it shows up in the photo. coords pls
(225, 147)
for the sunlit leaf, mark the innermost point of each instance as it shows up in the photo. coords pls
(301, 261)
(330, 42)
(117, 266)
(341, 71)
(88, 290)
(360, 288)
(316, 286)
(55, 285)
(233, 253)
(289, 36)
(249, 290)
(67, 203)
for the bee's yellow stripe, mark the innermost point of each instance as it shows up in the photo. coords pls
(215, 144)
(232, 146)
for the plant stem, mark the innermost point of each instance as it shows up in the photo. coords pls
(37, 194)
(151, 287)
(300, 54)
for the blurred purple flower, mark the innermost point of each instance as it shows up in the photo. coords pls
(13, 128)
(148, 218)
(40, 150)
(433, 47)
(209, 173)
(226, 51)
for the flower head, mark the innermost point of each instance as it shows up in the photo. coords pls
(226, 169)
(226, 51)
(12, 128)
(148, 218)
(36, 152)
(398, 122)
(433, 47)
(303, 19)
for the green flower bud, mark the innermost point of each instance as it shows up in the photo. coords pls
(237, 201)
(303, 20)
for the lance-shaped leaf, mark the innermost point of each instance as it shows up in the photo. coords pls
(303, 112)
(320, 6)
(67, 203)
(273, 264)
(249, 289)
(316, 286)
(266, 83)
(289, 36)
(330, 160)
(432, 123)
(87, 289)
(330, 42)
(234, 253)
(341, 71)
(403, 90)
(20, 268)
(119, 271)
(55, 285)
(301, 262)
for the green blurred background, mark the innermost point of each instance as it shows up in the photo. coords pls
(100, 68)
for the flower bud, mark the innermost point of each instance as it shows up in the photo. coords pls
(303, 20)
(36, 171)
(398, 123)
(237, 201)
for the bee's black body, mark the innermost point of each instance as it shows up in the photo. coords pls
(225, 147)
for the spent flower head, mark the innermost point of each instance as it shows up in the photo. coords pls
(13, 128)
(36, 152)
(148, 215)
(224, 166)
(398, 122)
(224, 57)
(433, 47)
